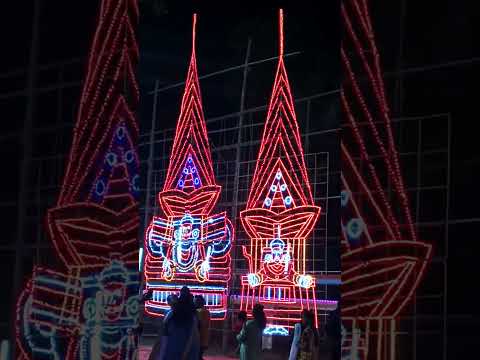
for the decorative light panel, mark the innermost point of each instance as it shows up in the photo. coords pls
(189, 244)
(279, 216)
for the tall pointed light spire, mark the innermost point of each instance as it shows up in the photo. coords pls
(280, 215)
(280, 32)
(109, 97)
(189, 244)
(281, 147)
(94, 225)
(190, 147)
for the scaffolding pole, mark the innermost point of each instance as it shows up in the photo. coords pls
(236, 182)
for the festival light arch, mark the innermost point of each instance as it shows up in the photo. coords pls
(189, 244)
(279, 216)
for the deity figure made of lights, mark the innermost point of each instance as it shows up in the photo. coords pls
(279, 216)
(85, 305)
(189, 244)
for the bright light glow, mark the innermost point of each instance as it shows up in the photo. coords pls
(253, 280)
(276, 330)
(305, 281)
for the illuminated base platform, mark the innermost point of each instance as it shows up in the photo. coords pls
(215, 298)
(322, 305)
(283, 303)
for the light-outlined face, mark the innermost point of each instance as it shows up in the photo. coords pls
(186, 235)
(113, 300)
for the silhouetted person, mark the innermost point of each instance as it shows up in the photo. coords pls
(238, 326)
(181, 330)
(250, 338)
(334, 333)
(160, 345)
(305, 339)
(204, 325)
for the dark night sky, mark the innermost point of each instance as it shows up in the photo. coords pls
(222, 36)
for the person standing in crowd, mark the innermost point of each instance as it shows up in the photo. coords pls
(334, 334)
(238, 326)
(160, 345)
(305, 339)
(181, 330)
(241, 320)
(204, 323)
(250, 337)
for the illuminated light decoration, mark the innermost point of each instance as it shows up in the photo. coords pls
(383, 262)
(189, 244)
(273, 330)
(88, 306)
(279, 216)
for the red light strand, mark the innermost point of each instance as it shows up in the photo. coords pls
(380, 274)
(280, 213)
(111, 55)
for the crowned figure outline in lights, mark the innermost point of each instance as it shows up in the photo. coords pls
(382, 259)
(87, 307)
(189, 244)
(279, 216)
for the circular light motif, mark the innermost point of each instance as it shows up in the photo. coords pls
(278, 175)
(180, 183)
(89, 309)
(196, 181)
(344, 197)
(195, 233)
(288, 200)
(120, 132)
(305, 281)
(268, 202)
(193, 170)
(100, 187)
(111, 158)
(273, 188)
(133, 306)
(283, 187)
(185, 171)
(189, 159)
(355, 228)
(129, 156)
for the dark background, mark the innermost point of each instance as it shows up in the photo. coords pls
(432, 68)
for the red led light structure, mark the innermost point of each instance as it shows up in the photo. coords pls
(382, 259)
(189, 244)
(279, 216)
(89, 303)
